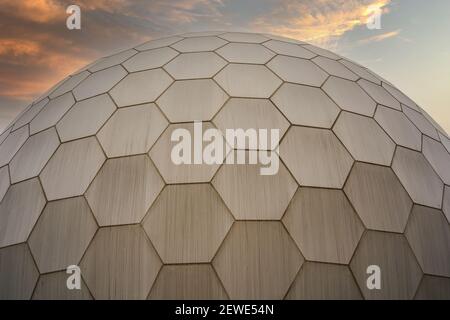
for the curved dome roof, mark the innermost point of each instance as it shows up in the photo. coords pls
(87, 179)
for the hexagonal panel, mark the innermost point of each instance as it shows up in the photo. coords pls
(99, 82)
(446, 204)
(53, 286)
(324, 225)
(85, 118)
(315, 157)
(245, 53)
(202, 34)
(378, 197)
(132, 130)
(33, 156)
(364, 139)
(421, 123)
(433, 288)
(320, 281)
(18, 274)
(418, 177)
(69, 84)
(243, 37)
(289, 49)
(4, 181)
(140, 87)
(195, 65)
(379, 94)
(400, 273)
(187, 223)
(187, 282)
(72, 168)
(438, 157)
(428, 233)
(445, 141)
(399, 128)
(151, 59)
(322, 52)
(192, 100)
(251, 81)
(258, 260)
(349, 96)
(360, 71)
(196, 44)
(254, 114)
(29, 115)
(19, 211)
(109, 194)
(307, 106)
(297, 70)
(283, 39)
(245, 191)
(12, 144)
(335, 68)
(158, 43)
(5, 134)
(112, 60)
(62, 234)
(397, 94)
(131, 262)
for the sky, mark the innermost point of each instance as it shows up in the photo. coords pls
(411, 50)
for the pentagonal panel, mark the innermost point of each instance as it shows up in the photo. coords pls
(192, 100)
(324, 225)
(315, 157)
(29, 115)
(253, 114)
(113, 60)
(289, 49)
(245, 53)
(322, 52)
(19, 211)
(195, 65)
(400, 96)
(161, 154)
(150, 59)
(360, 71)
(109, 194)
(252, 81)
(245, 191)
(132, 130)
(446, 205)
(428, 232)
(85, 118)
(364, 138)
(187, 223)
(297, 70)
(18, 274)
(258, 260)
(335, 68)
(438, 157)
(158, 43)
(418, 177)
(421, 123)
(378, 197)
(243, 37)
(72, 168)
(433, 288)
(307, 106)
(349, 96)
(99, 82)
(53, 286)
(187, 282)
(120, 264)
(320, 281)
(399, 272)
(140, 87)
(399, 128)
(62, 234)
(379, 94)
(12, 144)
(33, 155)
(69, 84)
(4, 181)
(196, 44)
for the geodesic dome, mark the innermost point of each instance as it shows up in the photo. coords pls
(86, 179)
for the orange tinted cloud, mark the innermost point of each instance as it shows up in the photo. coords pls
(40, 11)
(381, 37)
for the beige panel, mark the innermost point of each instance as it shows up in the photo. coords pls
(322, 52)
(319, 281)
(158, 43)
(258, 260)
(18, 274)
(5, 134)
(53, 286)
(202, 34)
(187, 282)
(252, 196)
(132, 130)
(62, 234)
(113, 60)
(418, 177)
(360, 71)
(379, 94)
(29, 115)
(335, 68)
(248, 81)
(19, 211)
(445, 141)
(400, 96)
(289, 49)
(4, 181)
(245, 53)
(192, 100)
(297, 70)
(315, 157)
(349, 96)
(12, 144)
(124, 190)
(120, 263)
(446, 205)
(284, 39)
(378, 198)
(244, 37)
(33, 155)
(85, 118)
(187, 223)
(69, 84)
(196, 44)
(72, 168)
(428, 232)
(150, 59)
(433, 288)
(421, 123)
(400, 273)
(438, 157)
(195, 65)
(364, 139)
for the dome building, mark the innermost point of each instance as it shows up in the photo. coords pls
(361, 190)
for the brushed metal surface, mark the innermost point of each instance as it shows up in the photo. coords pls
(195, 65)
(150, 59)
(289, 49)
(12, 144)
(243, 37)
(53, 286)
(69, 84)
(26, 117)
(335, 68)
(112, 60)
(433, 288)
(245, 53)
(196, 44)
(4, 181)
(297, 70)
(379, 94)
(421, 123)
(438, 157)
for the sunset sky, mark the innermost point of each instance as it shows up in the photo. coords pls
(412, 50)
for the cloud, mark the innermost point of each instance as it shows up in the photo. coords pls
(380, 37)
